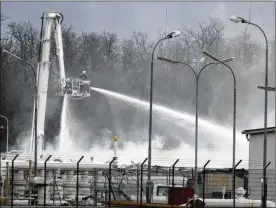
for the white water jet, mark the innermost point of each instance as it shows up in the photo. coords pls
(65, 141)
(177, 116)
(63, 130)
(220, 135)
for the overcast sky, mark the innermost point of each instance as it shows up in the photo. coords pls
(149, 17)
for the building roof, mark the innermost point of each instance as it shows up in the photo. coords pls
(257, 131)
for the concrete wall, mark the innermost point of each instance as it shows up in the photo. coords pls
(256, 151)
(256, 165)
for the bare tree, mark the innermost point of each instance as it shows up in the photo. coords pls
(18, 81)
(135, 57)
(247, 51)
(2, 17)
(109, 47)
(209, 37)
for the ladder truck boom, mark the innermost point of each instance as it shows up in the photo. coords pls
(50, 21)
(74, 88)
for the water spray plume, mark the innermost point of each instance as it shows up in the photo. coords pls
(221, 135)
(162, 110)
(65, 140)
(64, 118)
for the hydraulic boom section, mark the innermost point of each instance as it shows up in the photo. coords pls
(75, 88)
(50, 20)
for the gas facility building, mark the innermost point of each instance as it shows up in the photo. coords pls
(255, 137)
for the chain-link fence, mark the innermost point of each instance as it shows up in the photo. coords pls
(80, 183)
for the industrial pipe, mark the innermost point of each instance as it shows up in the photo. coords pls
(60, 165)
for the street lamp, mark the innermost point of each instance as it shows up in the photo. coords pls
(196, 75)
(238, 19)
(7, 133)
(234, 125)
(171, 35)
(35, 103)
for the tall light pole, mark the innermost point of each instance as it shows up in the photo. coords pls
(35, 130)
(171, 35)
(234, 125)
(7, 132)
(238, 19)
(196, 75)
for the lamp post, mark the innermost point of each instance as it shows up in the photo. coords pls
(171, 35)
(7, 133)
(35, 103)
(238, 19)
(196, 75)
(234, 125)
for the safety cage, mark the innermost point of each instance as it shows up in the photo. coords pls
(75, 88)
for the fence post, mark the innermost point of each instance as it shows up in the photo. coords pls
(44, 204)
(234, 184)
(31, 188)
(264, 185)
(141, 185)
(54, 183)
(193, 180)
(95, 182)
(138, 185)
(12, 179)
(173, 171)
(183, 181)
(169, 176)
(110, 176)
(204, 167)
(77, 194)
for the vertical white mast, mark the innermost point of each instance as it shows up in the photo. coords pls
(59, 46)
(50, 20)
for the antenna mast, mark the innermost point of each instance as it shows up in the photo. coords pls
(249, 14)
(166, 23)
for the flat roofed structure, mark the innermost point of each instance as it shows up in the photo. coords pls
(255, 137)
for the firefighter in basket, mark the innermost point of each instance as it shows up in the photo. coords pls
(83, 76)
(84, 85)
